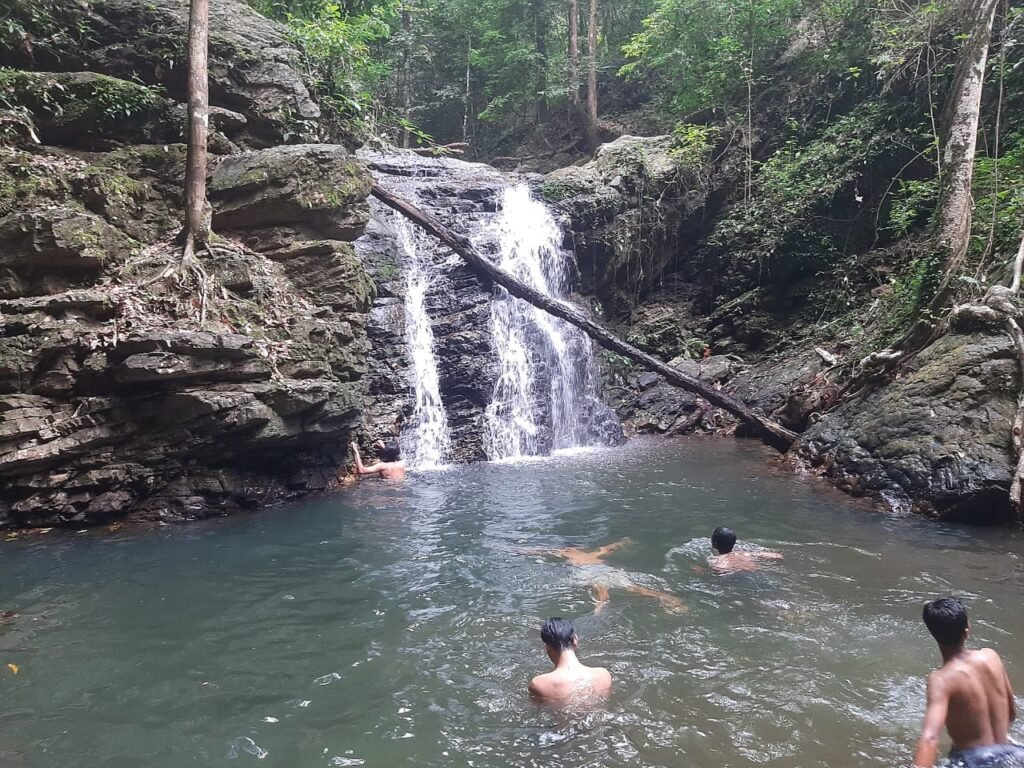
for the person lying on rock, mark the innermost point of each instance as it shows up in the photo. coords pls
(570, 680)
(969, 694)
(389, 465)
(725, 559)
(601, 578)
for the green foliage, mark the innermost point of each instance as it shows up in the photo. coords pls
(31, 27)
(998, 213)
(913, 204)
(71, 99)
(342, 50)
(557, 191)
(693, 145)
(776, 233)
(701, 51)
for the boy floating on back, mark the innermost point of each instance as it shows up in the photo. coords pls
(969, 694)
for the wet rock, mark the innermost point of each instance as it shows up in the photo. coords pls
(465, 196)
(940, 434)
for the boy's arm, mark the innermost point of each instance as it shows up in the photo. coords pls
(1011, 702)
(934, 720)
(360, 468)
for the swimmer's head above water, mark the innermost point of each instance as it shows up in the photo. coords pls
(946, 619)
(723, 540)
(388, 451)
(558, 635)
(570, 679)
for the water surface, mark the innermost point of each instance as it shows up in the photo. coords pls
(396, 624)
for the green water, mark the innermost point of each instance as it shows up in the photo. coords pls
(396, 625)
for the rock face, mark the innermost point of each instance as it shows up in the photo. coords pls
(177, 397)
(939, 435)
(632, 212)
(254, 71)
(114, 398)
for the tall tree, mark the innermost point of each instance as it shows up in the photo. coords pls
(574, 57)
(593, 136)
(962, 115)
(961, 118)
(196, 233)
(540, 41)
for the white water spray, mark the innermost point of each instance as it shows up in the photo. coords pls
(532, 346)
(425, 439)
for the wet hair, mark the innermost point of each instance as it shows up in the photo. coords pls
(946, 619)
(390, 452)
(723, 539)
(558, 633)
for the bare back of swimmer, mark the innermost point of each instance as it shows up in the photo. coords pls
(570, 680)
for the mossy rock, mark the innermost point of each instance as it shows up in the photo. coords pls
(322, 187)
(137, 189)
(25, 182)
(86, 109)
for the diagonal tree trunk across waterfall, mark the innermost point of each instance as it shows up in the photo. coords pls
(768, 431)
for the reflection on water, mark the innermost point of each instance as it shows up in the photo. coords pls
(397, 624)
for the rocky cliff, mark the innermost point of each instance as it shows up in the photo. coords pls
(125, 386)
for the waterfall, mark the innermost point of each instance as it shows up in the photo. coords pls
(425, 440)
(539, 356)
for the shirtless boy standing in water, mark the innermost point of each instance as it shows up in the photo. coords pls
(725, 560)
(570, 679)
(970, 694)
(600, 577)
(390, 466)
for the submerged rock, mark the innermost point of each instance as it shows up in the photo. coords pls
(939, 435)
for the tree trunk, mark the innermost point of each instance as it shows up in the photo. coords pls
(541, 45)
(593, 136)
(961, 118)
(467, 97)
(406, 75)
(574, 57)
(197, 210)
(951, 238)
(771, 433)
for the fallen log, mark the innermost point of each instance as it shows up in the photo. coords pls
(768, 431)
(456, 148)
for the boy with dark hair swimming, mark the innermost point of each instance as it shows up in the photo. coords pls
(390, 466)
(969, 694)
(725, 560)
(570, 679)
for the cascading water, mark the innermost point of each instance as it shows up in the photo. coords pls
(425, 439)
(535, 350)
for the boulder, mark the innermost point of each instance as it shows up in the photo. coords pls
(320, 189)
(940, 434)
(86, 109)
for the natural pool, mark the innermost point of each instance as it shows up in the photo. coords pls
(397, 625)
